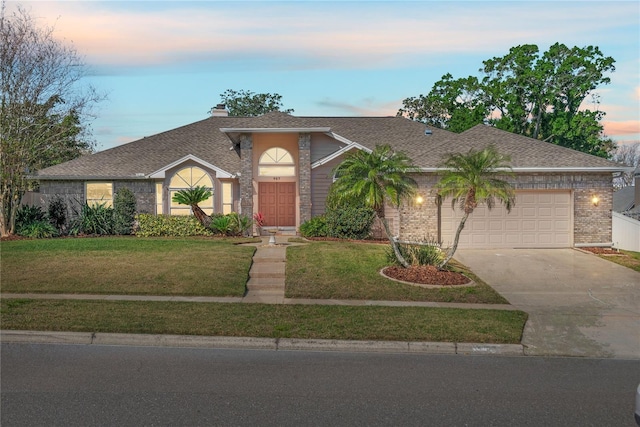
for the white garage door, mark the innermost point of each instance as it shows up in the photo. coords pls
(539, 219)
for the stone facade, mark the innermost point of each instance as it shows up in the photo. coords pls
(246, 175)
(304, 176)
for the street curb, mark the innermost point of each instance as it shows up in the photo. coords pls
(277, 344)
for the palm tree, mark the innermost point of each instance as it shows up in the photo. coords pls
(191, 197)
(472, 179)
(372, 179)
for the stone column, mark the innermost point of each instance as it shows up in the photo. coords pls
(246, 175)
(304, 178)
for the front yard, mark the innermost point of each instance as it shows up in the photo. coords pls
(126, 265)
(219, 267)
(344, 270)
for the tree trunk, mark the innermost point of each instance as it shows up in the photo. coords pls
(393, 242)
(455, 242)
(204, 219)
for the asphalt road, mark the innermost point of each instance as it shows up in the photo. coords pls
(76, 385)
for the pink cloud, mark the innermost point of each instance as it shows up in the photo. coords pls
(620, 128)
(350, 36)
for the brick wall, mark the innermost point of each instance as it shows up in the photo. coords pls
(592, 224)
(145, 192)
(419, 222)
(72, 192)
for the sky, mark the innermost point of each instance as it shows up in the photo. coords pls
(164, 64)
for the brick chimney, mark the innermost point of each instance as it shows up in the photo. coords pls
(219, 110)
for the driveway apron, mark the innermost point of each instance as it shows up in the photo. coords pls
(578, 304)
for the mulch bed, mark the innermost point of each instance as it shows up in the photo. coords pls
(11, 237)
(335, 239)
(426, 275)
(602, 251)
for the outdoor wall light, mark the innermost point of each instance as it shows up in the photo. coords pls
(595, 200)
(419, 200)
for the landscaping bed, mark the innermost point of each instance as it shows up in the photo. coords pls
(602, 251)
(426, 275)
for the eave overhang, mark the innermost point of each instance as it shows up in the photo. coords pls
(276, 130)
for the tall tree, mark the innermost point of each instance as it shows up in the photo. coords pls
(543, 96)
(373, 179)
(452, 104)
(472, 179)
(44, 108)
(245, 103)
(627, 154)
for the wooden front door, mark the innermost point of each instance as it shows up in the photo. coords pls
(277, 202)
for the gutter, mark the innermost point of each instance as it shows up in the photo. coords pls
(86, 177)
(611, 169)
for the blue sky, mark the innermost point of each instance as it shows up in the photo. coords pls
(164, 64)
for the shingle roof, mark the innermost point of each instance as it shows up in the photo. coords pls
(205, 140)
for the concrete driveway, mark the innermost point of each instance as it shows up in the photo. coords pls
(578, 304)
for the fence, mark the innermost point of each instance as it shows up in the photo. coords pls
(625, 232)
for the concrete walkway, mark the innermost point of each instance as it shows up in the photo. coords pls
(267, 273)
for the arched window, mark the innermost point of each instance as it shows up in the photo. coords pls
(188, 178)
(276, 162)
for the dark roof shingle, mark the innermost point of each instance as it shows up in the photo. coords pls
(204, 140)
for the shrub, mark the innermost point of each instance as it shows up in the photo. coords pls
(232, 224)
(349, 222)
(427, 252)
(240, 224)
(58, 213)
(27, 214)
(39, 229)
(93, 219)
(165, 225)
(221, 224)
(315, 227)
(124, 211)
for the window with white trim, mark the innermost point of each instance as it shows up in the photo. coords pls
(276, 161)
(187, 178)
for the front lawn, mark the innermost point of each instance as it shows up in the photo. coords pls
(126, 265)
(262, 320)
(346, 270)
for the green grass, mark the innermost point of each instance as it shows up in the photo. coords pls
(345, 270)
(126, 265)
(261, 320)
(630, 260)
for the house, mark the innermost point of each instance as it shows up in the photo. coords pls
(281, 165)
(627, 199)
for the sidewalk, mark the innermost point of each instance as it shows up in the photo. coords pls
(266, 285)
